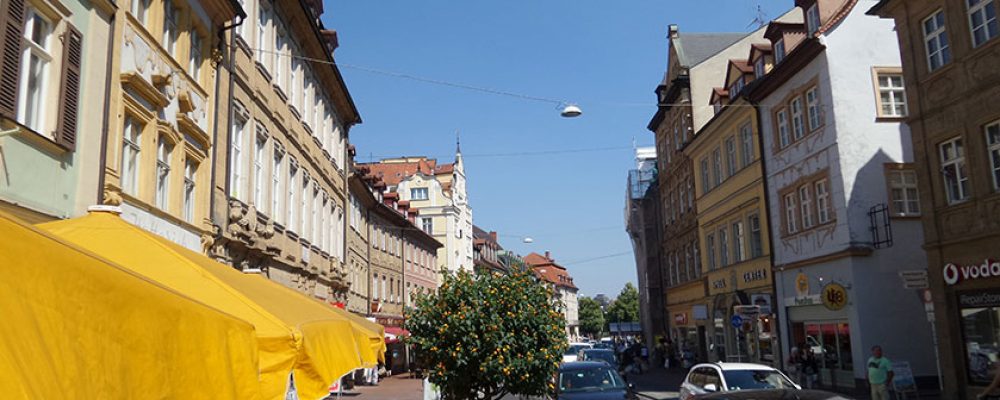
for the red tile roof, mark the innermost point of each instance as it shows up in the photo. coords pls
(394, 172)
(547, 269)
(742, 65)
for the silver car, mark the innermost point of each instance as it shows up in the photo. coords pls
(729, 377)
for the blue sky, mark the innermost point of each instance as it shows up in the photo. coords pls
(606, 56)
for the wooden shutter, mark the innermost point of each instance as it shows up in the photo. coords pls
(12, 14)
(69, 92)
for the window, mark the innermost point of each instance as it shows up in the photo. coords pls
(993, 147)
(294, 86)
(736, 88)
(196, 56)
(427, 225)
(758, 68)
(756, 245)
(891, 95)
(170, 27)
(812, 19)
(706, 185)
(293, 170)
(903, 192)
(690, 190)
(779, 50)
(163, 151)
(812, 104)
(190, 169)
(262, 21)
(258, 171)
(717, 166)
(697, 259)
(823, 202)
(783, 138)
(276, 193)
(418, 194)
(280, 44)
(936, 41)
(791, 209)
(739, 242)
(805, 201)
(236, 178)
(723, 247)
(315, 223)
(131, 140)
(304, 206)
(139, 9)
(956, 180)
(35, 60)
(798, 127)
(731, 155)
(375, 286)
(982, 21)
(980, 314)
(242, 28)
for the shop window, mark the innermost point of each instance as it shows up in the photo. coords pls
(830, 342)
(980, 335)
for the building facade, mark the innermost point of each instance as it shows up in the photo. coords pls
(50, 150)
(280, 177)
(360, 200)
(564, 291)
(951, 77)
(836, 165)
(438, 192)
(642, 222)
(486, 251)
(163, 109)
(732, 228)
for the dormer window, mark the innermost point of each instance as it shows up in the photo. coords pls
(717, 106)
(736, 88)
(812, 19)
(779, 50)
(758, 68)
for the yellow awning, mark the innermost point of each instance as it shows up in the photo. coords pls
(77, 326)
(319, 351)
(375, 333)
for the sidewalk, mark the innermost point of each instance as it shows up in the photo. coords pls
(396, 387)
(658, 383)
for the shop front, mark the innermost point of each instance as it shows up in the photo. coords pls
(688, 316)
(742, 317)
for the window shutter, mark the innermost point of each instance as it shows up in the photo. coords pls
(69, 92)
(12, 13)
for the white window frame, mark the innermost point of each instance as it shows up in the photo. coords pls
(746, 145)
(988, 26)
(798, 120)
(992, 132)
(791, 212)
(196, 55)
(717, 167)
(731, 161)
(891, 95)
(779, 50)
(706, 179)
(813, 108)
(140, 10)
(164, 150)
(427, 224)
(415, 194)
(903, 192)
(259, 186)
(171, 27)
(723, 246)
(812, 19)
(958, 191)
(784, 135)
(938, 35)
(277, 160)
(739, 242)
(759, 68)
(756, 239)
(131, 155)
(237, 180)
(805, 203)
(32, 107)
(291, 185)
(823, 209)
(710, 251)
(190, 182)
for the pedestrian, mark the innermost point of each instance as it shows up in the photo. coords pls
(810, 368)
(795, 364)
(879, 374)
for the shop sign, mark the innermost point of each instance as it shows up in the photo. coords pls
(763, 301)
(834, 296)
(719, 283)
(953, 273)
(681, 318)
(979, 299)
(754, 276)
(700, 312)
(801, 285)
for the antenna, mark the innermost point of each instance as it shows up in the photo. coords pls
(760, 18)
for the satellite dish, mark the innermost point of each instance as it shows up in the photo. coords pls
(571, 111)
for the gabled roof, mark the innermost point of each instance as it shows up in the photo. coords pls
(547, 269)
(394, 172)
(693, 48)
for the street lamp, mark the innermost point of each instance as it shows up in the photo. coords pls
(571, 111)
(528, 240)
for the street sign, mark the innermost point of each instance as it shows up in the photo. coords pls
(914, 279)
(737, 321)
(747, 312)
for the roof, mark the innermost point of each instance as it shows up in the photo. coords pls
(578, 365)
(547, 269)
(728, 366)
(393, 172)
(693, 48)
(742, 65)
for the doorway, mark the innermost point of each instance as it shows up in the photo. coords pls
(830, 343)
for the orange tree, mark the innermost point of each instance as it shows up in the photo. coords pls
(488, 335)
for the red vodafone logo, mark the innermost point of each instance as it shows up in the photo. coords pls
(952, 273)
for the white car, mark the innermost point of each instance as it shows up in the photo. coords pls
(573, 351)
(730, 377)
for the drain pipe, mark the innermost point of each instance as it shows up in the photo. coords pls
(215, 128)
(102, 164)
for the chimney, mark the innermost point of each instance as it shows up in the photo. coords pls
(673, 30)
(548, 256)
(493, 236)
(331, 38)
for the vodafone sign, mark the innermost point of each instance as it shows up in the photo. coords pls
(955, 273)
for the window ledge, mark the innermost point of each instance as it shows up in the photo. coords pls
(242, 44)
(39, 140)
(263, 70)
(891, 119)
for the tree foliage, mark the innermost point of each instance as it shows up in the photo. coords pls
(625, 308)
(591, 316)
(484, 336)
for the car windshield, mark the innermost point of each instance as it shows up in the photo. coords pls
(590, 379)
(756, 379)
(573, 350)
(606, 356)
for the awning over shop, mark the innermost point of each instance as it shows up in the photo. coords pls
(375, 333)
(394, 334)
(76, 323)
(316, 349)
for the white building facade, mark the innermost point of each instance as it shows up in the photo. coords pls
(838, 166)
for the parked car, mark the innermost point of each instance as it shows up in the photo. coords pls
(591, 380)
(774, 394)
(573, 351)
(596, 354)
(731, 377)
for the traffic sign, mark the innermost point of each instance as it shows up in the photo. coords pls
(737, 321)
